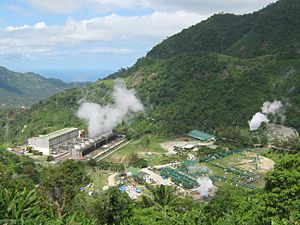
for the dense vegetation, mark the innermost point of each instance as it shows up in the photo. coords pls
(268, 31)
(50, 194)
(25, 89)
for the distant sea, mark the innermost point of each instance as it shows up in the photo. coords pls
(75, 75)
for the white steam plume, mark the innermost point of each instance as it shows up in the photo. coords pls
(275, 108)
(102, 119)
(206, 184)
(271, 107)
(257, 120)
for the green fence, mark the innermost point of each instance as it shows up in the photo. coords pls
(178, 178)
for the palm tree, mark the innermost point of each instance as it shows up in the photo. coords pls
(161, 197)
(20, 207)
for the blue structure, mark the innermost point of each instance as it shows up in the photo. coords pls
(122, 188)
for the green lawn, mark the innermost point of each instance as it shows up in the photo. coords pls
(216, 171)
(161, 159)
(230, 160)
(142, 145)
(98, 178)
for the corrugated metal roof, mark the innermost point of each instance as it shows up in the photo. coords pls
(200, 135)
(58, 133)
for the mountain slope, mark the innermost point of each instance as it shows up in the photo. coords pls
(186, 84)
(271, 30)
(25, 89)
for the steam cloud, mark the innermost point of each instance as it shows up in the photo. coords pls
(205, 185)
(275, 108)
(102, 119)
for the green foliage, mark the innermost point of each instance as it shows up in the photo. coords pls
(261, 33)
(25, 89)
(50, 158)
(235, 205)
(61, 183)
(111, 206)
(135, 161)
(17, 171)
(160, 197)
(282, 187)
(15, 206)
(103, 165)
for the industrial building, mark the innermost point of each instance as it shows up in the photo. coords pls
(201, 136)
(84, 147)
(45, 143)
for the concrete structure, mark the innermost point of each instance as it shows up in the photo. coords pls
(83, 147)
(201, 135)
(44, 143)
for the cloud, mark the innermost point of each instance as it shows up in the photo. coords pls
(197, 6)
(56, 6)
(18, 10)
(92, 36)
(209, 6)
(39, 25)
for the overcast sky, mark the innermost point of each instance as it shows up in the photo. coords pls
(78, 40)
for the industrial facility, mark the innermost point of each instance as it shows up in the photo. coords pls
(72, 143)
(47, 143)
(83, 147)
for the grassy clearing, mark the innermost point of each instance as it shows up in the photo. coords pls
(230, 160)
(142, 145)
(98, 178)
(274, 155)
(163, 159)
(216, 171)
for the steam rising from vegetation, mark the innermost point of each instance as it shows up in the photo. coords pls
(205, 185)
(275, 108)
(102, 119)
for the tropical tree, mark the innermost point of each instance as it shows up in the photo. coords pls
(136, 161)
(282, 197)
(60, 183)
(161, 197)
(111, 206)
(21, 207)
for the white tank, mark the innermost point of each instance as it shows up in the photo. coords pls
(82, 145)
(92, 140)
(86, 142)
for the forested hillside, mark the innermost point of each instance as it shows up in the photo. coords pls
(25, 89)
(272, 30)
(215, 74)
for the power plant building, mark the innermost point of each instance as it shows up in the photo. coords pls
(44, 143)
(201, 135)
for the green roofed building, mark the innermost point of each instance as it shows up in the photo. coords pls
(201, 135)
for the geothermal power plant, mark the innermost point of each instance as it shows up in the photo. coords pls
(73, 143)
